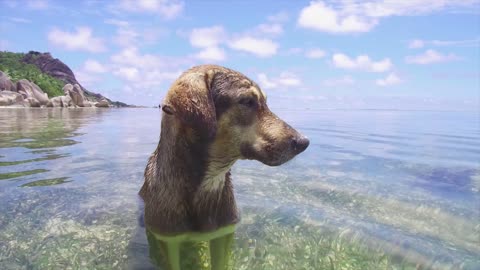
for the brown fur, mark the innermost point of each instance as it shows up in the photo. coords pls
(212, 117)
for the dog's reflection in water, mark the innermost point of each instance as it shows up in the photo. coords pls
(192, 251)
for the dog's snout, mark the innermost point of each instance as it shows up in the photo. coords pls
(300, 143)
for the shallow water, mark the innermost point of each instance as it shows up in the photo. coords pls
(375, 188)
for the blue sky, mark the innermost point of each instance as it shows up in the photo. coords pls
(411, 54)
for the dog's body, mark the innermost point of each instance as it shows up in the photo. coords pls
(212, 117)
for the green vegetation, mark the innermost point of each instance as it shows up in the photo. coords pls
(13, 66)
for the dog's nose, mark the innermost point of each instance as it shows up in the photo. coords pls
(299, 144)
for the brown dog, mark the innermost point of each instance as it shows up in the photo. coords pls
(212, 117)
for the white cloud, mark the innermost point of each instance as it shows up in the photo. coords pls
(131, 74)
(81, 40)
(416, 43)
(270, 28)
(207, 36)
(342, 81)
(20, 20)
(315, 53)
(261, 47)
(211, 54)
(280, 17)
(430, 57)
(391, 79)
(294, 51)
(94, 66)
(356, 16)
(285, 80)
(146, 71)
(361, 62)
(37, 4)
(169, 9)
(320, 17)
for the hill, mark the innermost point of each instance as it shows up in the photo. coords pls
(49, 73)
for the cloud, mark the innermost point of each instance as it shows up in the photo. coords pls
(169, 9)
(342, 81)
(20, 20)
(280, 17)
(320, 17)
(416, 43)
(207, 36)
(391, 79)
(285, 80)
(270, 28)
(361, 62)
(94, 66)
(146, 71)
(261, 47)
(80, 40)
(211, 54)
(209, 39)
(315, 53)
(37, 4)
(431, 57)
(355, 16)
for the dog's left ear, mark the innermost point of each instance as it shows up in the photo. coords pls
(190, 99)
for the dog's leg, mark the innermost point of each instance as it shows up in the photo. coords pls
(173, 255)
(220, 249)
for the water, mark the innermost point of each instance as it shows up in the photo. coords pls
(375, 189)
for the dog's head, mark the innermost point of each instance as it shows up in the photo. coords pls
(230, 112)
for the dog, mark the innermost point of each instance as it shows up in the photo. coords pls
(212, 117)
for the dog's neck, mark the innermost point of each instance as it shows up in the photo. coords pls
(200, 164)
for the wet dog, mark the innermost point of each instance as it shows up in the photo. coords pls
(212, 116)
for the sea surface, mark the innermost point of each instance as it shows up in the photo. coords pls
(375, 188)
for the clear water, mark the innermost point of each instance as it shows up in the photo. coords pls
(375, 188)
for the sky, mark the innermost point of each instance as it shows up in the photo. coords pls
(344, 54)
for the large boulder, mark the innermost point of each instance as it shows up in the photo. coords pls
(10, 98)
(30, 90)
(76, 94)
(6, 83)
(33, 102)
(102, 104)
(67, 101)
(55, 102)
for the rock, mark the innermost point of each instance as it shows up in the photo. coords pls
(33, 102)
(102, 104)
(57, 69)
(66, 101)
(76, 94)
(55, 102)
(67, 88)
(6, 83)
(30, 90)
(10, 98)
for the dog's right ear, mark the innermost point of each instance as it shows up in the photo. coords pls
(190, 99)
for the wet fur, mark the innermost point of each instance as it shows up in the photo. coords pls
(204, 131)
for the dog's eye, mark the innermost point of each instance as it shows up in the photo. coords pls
(248, 102)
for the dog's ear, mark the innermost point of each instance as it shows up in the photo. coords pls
(190, 99)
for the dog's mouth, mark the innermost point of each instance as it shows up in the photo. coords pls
(275, 154)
